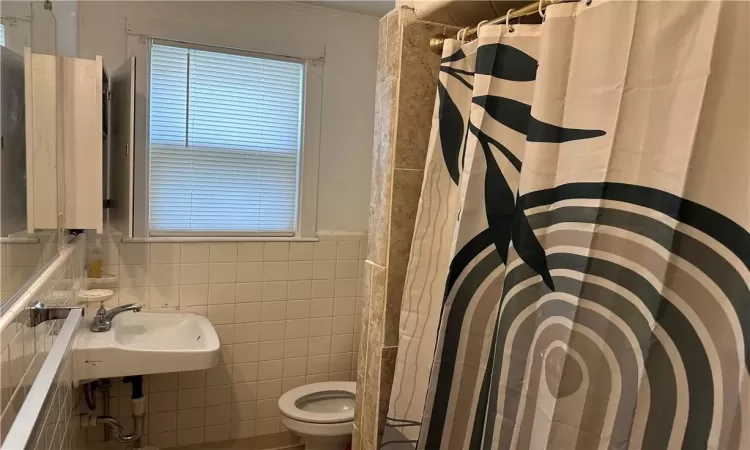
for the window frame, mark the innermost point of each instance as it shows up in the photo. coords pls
(307, 163)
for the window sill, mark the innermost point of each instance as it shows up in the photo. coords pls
(187, 239)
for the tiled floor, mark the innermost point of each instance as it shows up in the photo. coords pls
(277, 441)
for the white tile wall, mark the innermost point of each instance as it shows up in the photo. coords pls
(285, 313)
(58, 427)
(19, 261)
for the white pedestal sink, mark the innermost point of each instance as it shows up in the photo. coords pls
(144, 343)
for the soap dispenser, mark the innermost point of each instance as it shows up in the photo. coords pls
(95, 263)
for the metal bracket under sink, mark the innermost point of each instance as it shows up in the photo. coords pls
(38, 313)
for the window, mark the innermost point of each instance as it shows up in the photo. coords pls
(2, 35)
(225, 142)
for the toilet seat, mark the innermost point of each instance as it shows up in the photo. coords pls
(289, 403)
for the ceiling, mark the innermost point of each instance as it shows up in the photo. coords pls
(377, 8)
(450, 12)
(464, 13)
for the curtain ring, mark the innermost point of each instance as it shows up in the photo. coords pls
(541, 11)
(462, 33)
(507, 21)
(479, 25)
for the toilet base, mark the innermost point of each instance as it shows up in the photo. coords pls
(321, 436)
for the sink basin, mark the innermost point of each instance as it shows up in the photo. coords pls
(145, 343)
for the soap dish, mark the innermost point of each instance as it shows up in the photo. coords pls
(95, 295)
(106, 280)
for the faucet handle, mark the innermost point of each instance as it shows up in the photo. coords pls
(101, 311)
(100, 322)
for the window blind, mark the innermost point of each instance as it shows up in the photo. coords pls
(225, 138)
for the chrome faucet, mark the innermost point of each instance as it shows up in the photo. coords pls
(103, 318)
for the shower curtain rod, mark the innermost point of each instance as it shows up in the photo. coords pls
(436, 41)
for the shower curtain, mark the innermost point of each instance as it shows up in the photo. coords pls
(580, 267)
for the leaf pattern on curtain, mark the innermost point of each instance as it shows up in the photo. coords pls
(507, 224)
(451, 132)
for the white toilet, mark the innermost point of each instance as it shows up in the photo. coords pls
(321, 413)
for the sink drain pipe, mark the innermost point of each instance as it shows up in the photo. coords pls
(114, 425)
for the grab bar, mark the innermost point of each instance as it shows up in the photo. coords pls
(22, 429)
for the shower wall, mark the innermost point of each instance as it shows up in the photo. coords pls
(405, 96)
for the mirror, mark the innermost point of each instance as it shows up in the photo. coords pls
(24, 246)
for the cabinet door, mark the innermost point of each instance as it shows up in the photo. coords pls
(122, 84)
(83, 143)
(40, 87)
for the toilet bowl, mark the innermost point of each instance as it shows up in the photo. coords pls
(321, 413)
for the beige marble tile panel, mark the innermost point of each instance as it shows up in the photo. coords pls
(361, 383)
(363, 341)
(417, 85)
(382, 165)
(376, 312)
(364, 444)
(407, 187)
(371, 400)
(387, 369)
(356, 438)
(393, 43)
(359, 400)
(382, 46)
(366, 300)
(361, 363)
(368, 270)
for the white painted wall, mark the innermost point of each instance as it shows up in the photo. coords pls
(28, 24)
(347, 41)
